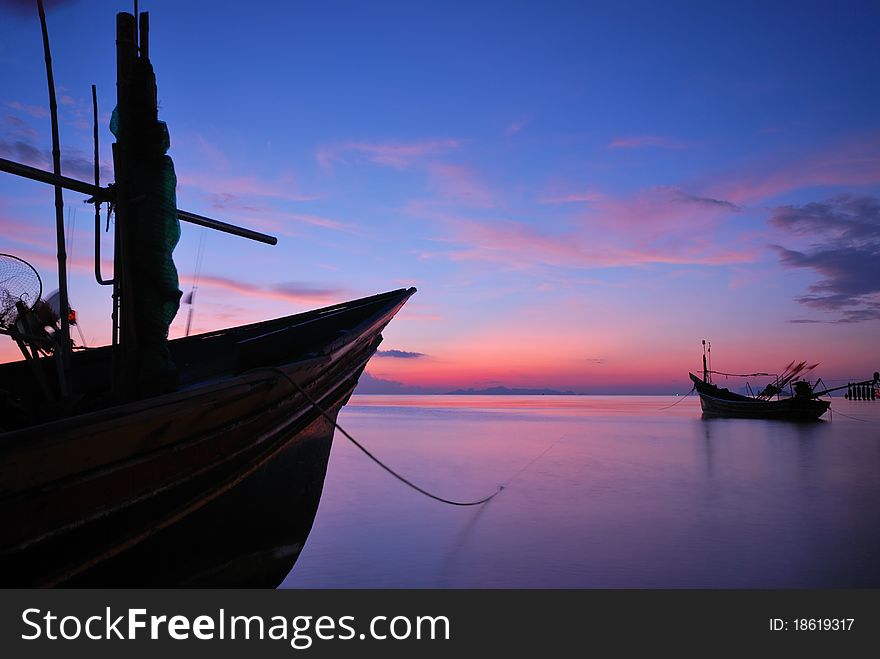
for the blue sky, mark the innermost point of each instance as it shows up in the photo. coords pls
(581, 191)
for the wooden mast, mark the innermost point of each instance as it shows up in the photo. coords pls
(126, 58)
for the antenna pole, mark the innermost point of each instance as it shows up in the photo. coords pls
(709, 351)
(64, 342)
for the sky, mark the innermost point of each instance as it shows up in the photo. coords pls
(581, 192)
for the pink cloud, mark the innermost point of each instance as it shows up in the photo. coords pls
(212, 152)
(36, 111)
(460, 184)
(572, 197)
(24, 233)
(516, 126)
(211, 180)
(284, 187)
(851, 162)
(660, 212)
(268, 219)
(298, 293)
(20, 128)
(318, 221)
(400, 155)
(249, 197)
(45, 261)
(288, 292)
(644, 141)
(519, 245)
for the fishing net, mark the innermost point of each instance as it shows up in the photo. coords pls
(153, 228)
(19, 282)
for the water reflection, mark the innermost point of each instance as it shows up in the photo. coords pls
(606, 492)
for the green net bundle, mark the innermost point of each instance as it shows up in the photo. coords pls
(153, 232)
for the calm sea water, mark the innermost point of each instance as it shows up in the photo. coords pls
(600, 492)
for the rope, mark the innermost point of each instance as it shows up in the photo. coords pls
(693, 389)
(71, 230)
(199, 256)
(367, 453)
(70, 241)
(847, 415)
(195, 284)
(533, 461)
(743, 375)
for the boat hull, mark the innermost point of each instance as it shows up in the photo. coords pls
(717, 402)
(250, 535)
(213, 485)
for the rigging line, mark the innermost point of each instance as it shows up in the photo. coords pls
(203, 239)
(71, 231)
(199, 256)
(854, 418)
(372, 457)
(71, 223)
(743, 375)
(694, 388)
(195, 285)
(81, 335)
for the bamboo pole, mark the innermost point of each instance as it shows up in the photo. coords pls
(873, 381)
(42, 176)
(63, 355)
(109, 194)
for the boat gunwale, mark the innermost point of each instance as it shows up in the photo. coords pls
(43, 434)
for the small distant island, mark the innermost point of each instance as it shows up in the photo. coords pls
(506, 391)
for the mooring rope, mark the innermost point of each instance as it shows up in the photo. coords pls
(694, 388)
(372, 457)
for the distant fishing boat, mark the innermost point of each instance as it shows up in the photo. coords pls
(716, 401)
(208, 474)
(803, 403)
